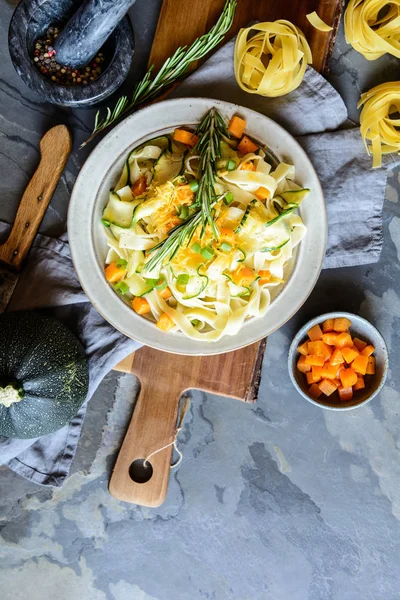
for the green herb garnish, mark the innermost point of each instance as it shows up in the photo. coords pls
(121, 287)
(207, 252)
(182, 279)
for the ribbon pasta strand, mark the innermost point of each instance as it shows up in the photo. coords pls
(273, 61)
(372, 27)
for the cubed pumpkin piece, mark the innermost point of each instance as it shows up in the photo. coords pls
(316, 373)
(236, 126)
(246, 145)
(360, 364)
(262, 193)
(329, 371)
(327, 387)
(165, 323)
(359, 384)
(330, 338)
(302, 366)
(303, 349)
(141, 306)
(314, 391)
(337, 357)
(344, 340)
(315, 333)
(114, 273)
(327, 325)
(341, 324)
(348, 377)
(345, 394)
(309, 377)
(314, 360)
(359, 344)
(319, 348)
(337, 382)
(185, 137)
(371, 366)
(265, 277)
(165, 293)
(349, 354)
(368, 350)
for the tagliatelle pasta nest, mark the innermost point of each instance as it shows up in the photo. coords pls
(372, 27)
(379, 130)
(273, 61)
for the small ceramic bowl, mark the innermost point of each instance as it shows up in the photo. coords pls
(359, 328)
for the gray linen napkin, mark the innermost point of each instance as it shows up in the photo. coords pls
(317, 116)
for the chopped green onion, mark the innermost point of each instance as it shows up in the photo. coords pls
(228, 198)
(183, 212)
(207, 252)
(182, 279)
(194, 185)
(225, 247)
(231, 164)
(243, 254)
(161, 284)
(106, 223)
(121, 262)
(152, 282)
(196, 247)
(121, 287)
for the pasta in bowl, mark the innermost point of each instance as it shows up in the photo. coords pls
(211, 236)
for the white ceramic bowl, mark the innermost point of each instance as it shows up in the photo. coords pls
(101, 171)
(360, 328)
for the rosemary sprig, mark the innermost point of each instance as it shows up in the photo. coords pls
(210, 131)
(173, 68)
(177, 238)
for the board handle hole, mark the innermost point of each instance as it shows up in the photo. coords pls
(140, 472)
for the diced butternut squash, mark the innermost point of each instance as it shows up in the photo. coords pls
(265, 277)
(303, 349)
(314, 361)
(141, 306)
(330, 338)
(329, 371)
(226, 234)
(243, 276)
(359, 344)
(315, 333)
(341, 324)
(337, 357)
(248, 166)
(236, 126)
(302, 365)
(348, 377)
(316, 373)
(140, 186)
(368, 350)
(314, 391)
(359, 384)
(345, 394)
(344, 340)
(349, 354)
(327, 387)
(246, 145)
(371, 366)
(360, 364)
(185, 137)
(309, 377)
(262, 193)
(114, 273)
(328, 325)
(337, 382)
(165, 323)
(165, 293)
(320, 349)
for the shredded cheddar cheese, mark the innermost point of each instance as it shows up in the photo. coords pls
(273, 61)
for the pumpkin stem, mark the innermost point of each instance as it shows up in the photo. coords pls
(10, 394)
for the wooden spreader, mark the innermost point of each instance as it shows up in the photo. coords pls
(163, 376)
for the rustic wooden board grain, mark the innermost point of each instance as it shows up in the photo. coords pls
(164, 377)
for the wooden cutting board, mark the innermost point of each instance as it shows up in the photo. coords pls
(164, 377)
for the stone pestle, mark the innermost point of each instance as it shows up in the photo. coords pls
(88, 29)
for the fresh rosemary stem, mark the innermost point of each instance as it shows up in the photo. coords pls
(173, 68)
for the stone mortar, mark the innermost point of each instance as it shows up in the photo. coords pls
(31, 19)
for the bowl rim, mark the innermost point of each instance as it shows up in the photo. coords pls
(317, 321)
(186, 346)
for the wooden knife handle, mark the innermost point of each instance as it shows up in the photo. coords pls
(153, 426)
(55, 148)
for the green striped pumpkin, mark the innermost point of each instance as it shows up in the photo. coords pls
(43, 375)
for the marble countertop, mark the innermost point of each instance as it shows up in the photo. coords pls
(273, 501)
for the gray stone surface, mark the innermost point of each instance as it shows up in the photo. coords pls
(276, 501)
